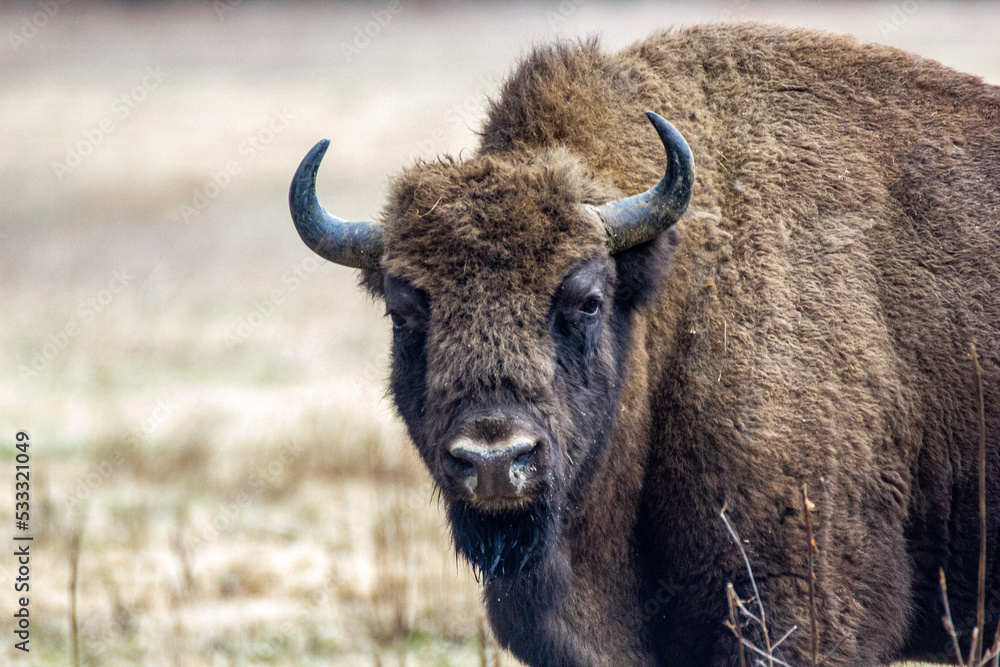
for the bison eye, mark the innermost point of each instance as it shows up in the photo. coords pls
(398, 321)
(591, 306)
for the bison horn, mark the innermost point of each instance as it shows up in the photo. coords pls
(644, 216)
(354, 244)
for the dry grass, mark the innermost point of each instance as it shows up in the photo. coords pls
(220, 418)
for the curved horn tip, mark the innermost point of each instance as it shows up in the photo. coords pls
(315, 155)
(642, 217)
(353, 244)
(669, 135)
(304, 182)
(321, 146)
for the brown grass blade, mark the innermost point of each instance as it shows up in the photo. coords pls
(75, 538)
(735, 624)
(977, 649)
(753, 582)
(948, 624)
(813, 625)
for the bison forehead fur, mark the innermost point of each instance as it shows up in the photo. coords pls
(806, 322)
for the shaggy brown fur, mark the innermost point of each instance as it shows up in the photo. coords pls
(808, 323)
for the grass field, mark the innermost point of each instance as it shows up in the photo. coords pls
(211, 449)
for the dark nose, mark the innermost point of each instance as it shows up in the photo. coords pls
(494, 471)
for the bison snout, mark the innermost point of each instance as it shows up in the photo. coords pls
(492, 472)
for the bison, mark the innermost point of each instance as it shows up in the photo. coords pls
(591, 375)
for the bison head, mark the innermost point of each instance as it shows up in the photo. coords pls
(510, 283)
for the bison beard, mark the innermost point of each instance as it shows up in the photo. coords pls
(502, 544)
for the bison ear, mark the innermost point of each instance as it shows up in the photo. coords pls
(642, 269)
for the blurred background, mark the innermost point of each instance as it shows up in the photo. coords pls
(217, 477)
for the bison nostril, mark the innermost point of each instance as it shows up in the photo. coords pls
(521, 447)
(461, 462)
(525, 458)
(461, 459)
